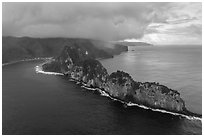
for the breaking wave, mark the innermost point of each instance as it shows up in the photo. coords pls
(39, 69)
(103, 93)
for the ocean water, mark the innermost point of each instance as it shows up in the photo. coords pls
(178, 67)
(35, 103)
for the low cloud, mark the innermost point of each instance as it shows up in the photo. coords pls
(104, 21)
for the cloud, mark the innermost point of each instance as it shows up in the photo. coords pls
(179, 23)
(90, 20)
(104, 21)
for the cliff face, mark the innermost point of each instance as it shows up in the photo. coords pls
(78, 64)
(122, 86)
(14, 48)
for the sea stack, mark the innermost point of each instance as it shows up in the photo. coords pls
(79, 65)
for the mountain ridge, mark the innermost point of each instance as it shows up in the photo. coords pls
(75, 63)
(20, 48)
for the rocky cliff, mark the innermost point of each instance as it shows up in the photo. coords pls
(78, 64)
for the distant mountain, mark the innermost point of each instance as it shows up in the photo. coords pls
(14, 48)
(134, 43)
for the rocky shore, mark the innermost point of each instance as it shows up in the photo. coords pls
(79, 65)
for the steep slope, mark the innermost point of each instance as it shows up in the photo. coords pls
(14, 49)
(77, 64)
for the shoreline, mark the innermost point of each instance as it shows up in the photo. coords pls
(48, 59)
(104, 93)
(38, 69)
(13, 62)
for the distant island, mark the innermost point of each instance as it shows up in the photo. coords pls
(79, 65)
(134, 43)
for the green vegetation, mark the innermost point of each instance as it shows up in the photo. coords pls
(119, 77)
(14, 48)
(93, 68)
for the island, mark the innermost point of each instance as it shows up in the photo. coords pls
(79, 65)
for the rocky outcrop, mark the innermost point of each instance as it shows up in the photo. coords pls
(78, 64)
(121, 85)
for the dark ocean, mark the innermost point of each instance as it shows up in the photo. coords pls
(35, 103)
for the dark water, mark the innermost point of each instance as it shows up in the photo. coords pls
(48, 104)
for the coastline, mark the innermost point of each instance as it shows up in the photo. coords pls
(13, 62)
(38, 69)
(104, 93)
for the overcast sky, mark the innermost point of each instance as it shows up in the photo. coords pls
(157, 23)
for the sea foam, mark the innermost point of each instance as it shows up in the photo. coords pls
(103, 93)
(39, 69)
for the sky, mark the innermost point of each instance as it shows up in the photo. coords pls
(156, 23)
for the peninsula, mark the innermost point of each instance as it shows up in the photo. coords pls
(77, 63)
